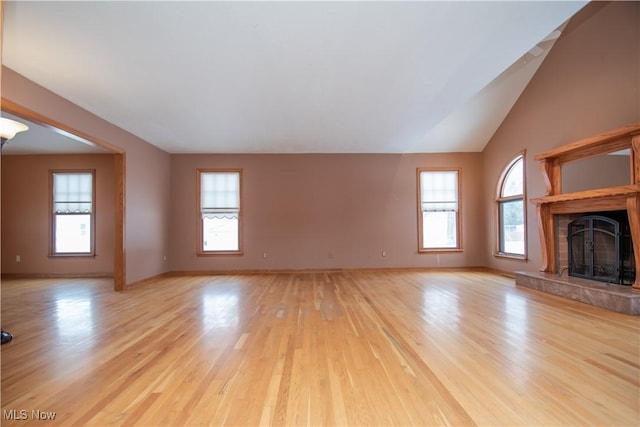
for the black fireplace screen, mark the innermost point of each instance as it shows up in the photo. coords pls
(600, 248)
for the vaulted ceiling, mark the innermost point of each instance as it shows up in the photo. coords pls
(288, 77)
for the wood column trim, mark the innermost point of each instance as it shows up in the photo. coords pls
(119, 273)
(552, 175)
(546, 231)
(635, 159)
(633, 211)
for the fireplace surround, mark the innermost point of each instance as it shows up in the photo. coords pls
(620, 198)
(555, 203)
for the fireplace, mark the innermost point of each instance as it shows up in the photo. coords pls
(605, 221)
(618, 198)
(599, 247)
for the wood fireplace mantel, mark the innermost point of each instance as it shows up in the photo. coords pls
(626, 197)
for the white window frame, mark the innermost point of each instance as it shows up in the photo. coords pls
(454, 206)
(201, 211)
(57, 210)
(500, 200)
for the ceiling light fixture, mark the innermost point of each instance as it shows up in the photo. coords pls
(9, 128)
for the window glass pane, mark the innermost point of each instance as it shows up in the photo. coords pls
(513, 182)
(220, 233)
(73, 233)
(512, 227)
(439, 229)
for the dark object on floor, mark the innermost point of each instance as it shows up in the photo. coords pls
(6, 337)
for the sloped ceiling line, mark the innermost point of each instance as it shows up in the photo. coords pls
(288, 77)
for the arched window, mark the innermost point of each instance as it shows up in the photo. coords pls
(512, 217)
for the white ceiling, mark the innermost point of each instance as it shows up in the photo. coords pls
(288, 77)
(39, 139)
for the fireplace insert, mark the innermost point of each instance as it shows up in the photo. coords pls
(600, 248)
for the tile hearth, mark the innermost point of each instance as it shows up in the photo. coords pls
(612, 297)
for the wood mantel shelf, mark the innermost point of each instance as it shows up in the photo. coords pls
(623, 190)
(625, 197)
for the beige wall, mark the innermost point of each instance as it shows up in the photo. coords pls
(300, 208)
(26, 215)
(588, 84)
(148, 174)
(596, 172)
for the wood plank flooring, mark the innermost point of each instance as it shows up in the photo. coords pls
(336, 348)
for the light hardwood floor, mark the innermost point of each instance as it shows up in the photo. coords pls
(340, 348)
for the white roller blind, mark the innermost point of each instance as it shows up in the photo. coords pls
(72, 192)
(220, 194)
(439, 191)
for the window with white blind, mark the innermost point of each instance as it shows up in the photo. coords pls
(73, 200)
(439, 209)
(219, 207)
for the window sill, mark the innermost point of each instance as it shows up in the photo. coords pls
(510, 256)
(72, 255)
(219, 253)
(439, 250)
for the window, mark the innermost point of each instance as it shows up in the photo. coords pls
(73, 195)
(511, 211)
(439, 210)
(219, 210)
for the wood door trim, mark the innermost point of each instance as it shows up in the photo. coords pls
(119, 260)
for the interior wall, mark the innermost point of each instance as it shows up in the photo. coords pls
(26, 215)
(325, 211)
(596, 172)
(147, 170)
(298, 208)
(588, 84)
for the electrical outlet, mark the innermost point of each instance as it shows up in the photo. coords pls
(264, 254)
(17, 258)
(384, 253)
